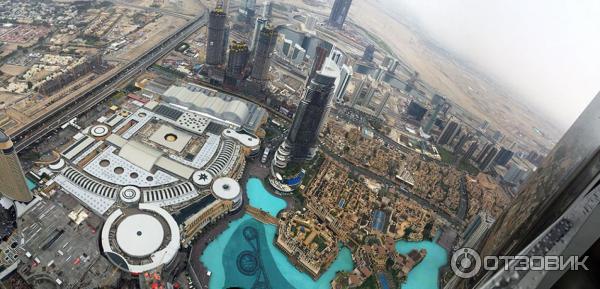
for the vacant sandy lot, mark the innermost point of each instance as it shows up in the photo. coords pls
(12, 70)
(188, 7)
(147, 37)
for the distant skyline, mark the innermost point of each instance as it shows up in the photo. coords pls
(548, 51)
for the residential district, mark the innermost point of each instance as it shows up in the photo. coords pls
(129, 131)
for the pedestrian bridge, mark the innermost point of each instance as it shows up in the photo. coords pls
(261, 215)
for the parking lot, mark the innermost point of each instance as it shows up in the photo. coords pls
(55, 247)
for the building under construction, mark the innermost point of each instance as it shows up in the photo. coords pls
(237, 63)
(216, 40)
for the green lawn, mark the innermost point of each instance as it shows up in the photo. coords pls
(370, 283)
(449, 158)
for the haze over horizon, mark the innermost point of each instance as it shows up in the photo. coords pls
(546, 51)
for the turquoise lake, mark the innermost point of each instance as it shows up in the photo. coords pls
(260, 198)
(244, 255)
(426, 274)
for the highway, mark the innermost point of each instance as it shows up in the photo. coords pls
(30, 133)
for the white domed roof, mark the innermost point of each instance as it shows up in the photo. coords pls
(140, 235)
(226, 189)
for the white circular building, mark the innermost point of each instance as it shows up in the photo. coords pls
(99, 130)
(130, 194)
(140, 235)
(228, 189)
(202, 178)
(140, 239)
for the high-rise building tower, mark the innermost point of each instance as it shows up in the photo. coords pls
(416, 110)
(338, 57)
(369, 53)
(438, 102)
(504, 156)
(381, 106)
(216, 40)
(345, 77)
(247, 10)
(448, 133)
(262, 53)
(237, 62)
(458, 147)
(489, 157)
(361, 92)
(471, 150)
(301, 141)
(486, 148)
(261, 22)
(258, 27)
(476, 230)
(12, 180)
(322, 52)
(339, 12)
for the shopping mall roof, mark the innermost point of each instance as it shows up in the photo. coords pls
(139, 235)
(226, 188)
(233, 110)
(139, 154)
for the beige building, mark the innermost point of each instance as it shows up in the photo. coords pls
(12, 180)
(213, 211)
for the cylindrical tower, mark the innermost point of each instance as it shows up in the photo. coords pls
(238, 60)
(301, 141)
(12, 180)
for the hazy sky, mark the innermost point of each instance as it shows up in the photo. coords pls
(546, 50)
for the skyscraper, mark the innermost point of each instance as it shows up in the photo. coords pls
(458, 147)
(438, 103)
(12, 180)
(261, 22)
(216, 40)
(258, 27)
(322, 51)
(488, 158)
(237, 62)
(503, 156)
(448, 133)
(471, 150)
(483, 152)
(381, 106)
(247, 10)
(262, 53)
(476, 230)
(339, 12)
(338, 57)
(416, 110)
(301, 141)
(361, 92)
(345, 77)
(369, 53)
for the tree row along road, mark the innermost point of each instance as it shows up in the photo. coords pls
(30, 133)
